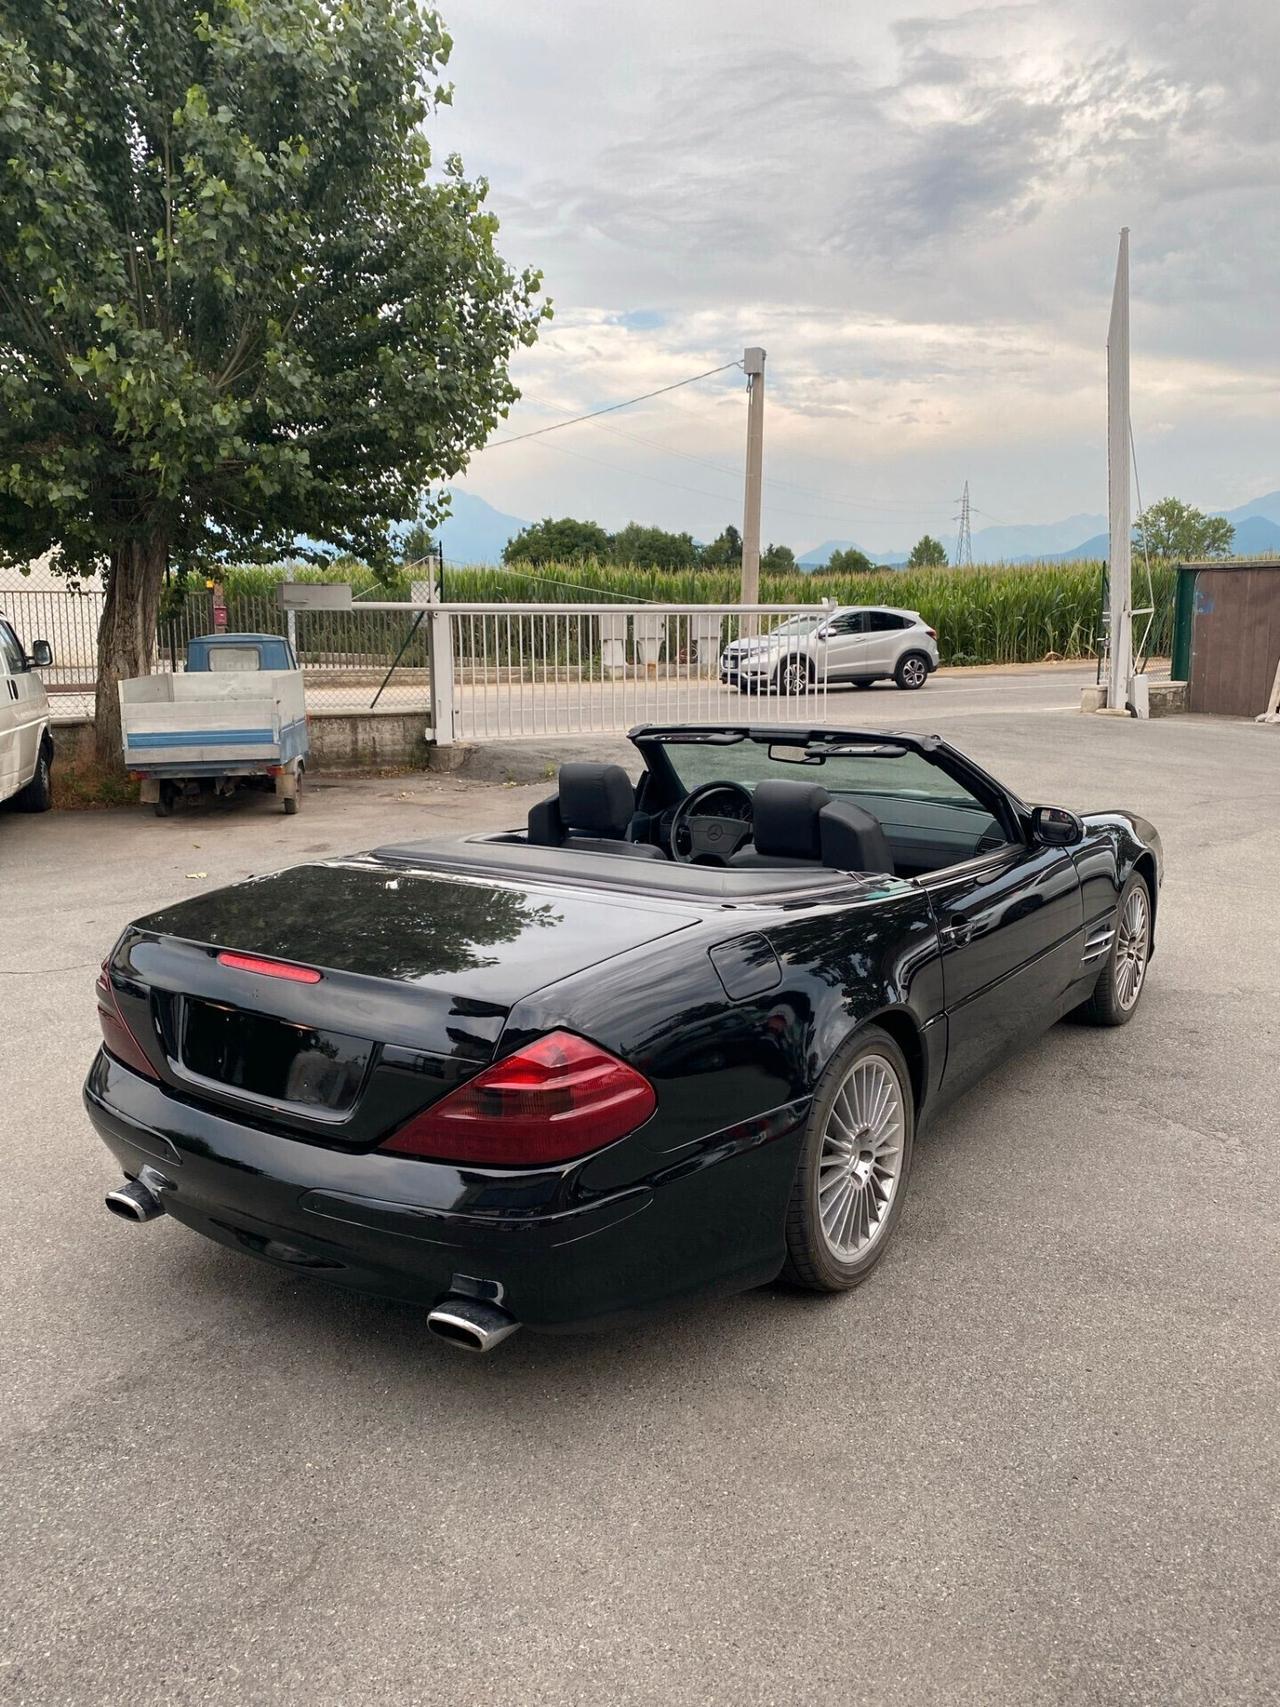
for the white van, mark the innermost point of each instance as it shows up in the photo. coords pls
(26, 746)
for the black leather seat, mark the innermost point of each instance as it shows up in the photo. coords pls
(798, 823)
(853, 839)
(784, 824)
(591, 812)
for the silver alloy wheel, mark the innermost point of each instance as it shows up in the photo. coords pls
(1132, 941)
(795, 677)
(914, 672)
(861, 1158)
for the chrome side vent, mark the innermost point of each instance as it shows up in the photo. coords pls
(1098, 939)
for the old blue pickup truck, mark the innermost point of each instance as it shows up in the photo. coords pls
(235, 718)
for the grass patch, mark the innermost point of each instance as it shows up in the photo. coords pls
(81, 784)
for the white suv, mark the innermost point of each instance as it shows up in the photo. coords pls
(857, 643)
(26, 746)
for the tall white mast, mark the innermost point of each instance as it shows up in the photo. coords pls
(1119, 463)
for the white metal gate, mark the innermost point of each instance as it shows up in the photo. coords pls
(521, 670)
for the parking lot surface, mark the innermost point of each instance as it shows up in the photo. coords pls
(1034, 1460)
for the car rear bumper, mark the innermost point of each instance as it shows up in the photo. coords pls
(418, 1231)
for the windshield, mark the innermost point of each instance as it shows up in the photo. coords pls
(797, 624)
(881, 769)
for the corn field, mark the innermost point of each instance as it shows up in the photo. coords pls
(991, 614)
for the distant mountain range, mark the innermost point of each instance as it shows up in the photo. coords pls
(1257, 529)
(475, 532)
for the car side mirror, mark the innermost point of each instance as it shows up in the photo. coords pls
(822, 633)
(41, 655)
(1055, 827)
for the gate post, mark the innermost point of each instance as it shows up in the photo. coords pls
(440, 669)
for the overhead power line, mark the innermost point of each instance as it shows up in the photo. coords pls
(610, 408)
(930, 505)
(910, 506)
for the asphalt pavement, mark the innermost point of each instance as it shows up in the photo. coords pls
(1034, 1460)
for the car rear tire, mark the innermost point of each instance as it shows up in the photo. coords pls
(854, 1164)
(793, 676)
(1114, 998)
(912, 671)
(37, 796)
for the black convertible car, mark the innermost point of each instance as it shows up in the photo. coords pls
(668, 1038)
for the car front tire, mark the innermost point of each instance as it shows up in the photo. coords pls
(854, 1164)
(912, 671)
(37, 796)
(1114, 998)
(793, 677)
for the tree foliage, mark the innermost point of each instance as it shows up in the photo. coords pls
(237, 304)
(927, 553)
(849, 562)
(420, 546)
(563, 541)
(634, 546)
(1177, 531)
(653, 548)
(724, 550)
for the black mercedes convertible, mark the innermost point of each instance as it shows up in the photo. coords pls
(667, 1038)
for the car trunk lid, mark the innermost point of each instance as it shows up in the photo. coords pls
(417, 972)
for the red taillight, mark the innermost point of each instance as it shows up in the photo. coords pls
(555, 1099)
(270, 968)
(932, 633)
(119, 1040)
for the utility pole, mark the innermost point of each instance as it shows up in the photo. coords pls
(1119, 570)
(753, 367)
(964, 539)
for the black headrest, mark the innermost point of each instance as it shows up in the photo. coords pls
(853, 839)
(596, 800)
(784, 818)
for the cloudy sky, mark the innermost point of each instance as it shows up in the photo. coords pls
(914, 208)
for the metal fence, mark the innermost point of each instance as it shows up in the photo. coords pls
(346, 655)
(500, 670)
(512, 671)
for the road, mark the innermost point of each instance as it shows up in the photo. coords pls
(499, 710)
(542, 707)
(1033, 1461)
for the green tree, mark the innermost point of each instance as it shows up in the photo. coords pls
(849, 562)
(236, 304)
(778, 560)
(724, 551)
(927, 553)
(653, 548)
(419, 545)
(1176, 531)
(565, 541)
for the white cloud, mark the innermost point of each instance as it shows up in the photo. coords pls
(915, 212)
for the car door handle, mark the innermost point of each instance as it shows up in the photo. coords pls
(963, 930)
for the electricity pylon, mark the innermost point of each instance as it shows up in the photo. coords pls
(964, 539)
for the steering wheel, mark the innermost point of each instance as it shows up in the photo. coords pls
(704, 837)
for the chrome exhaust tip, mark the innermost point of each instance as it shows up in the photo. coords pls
(133, 1202)
(470, 1324)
